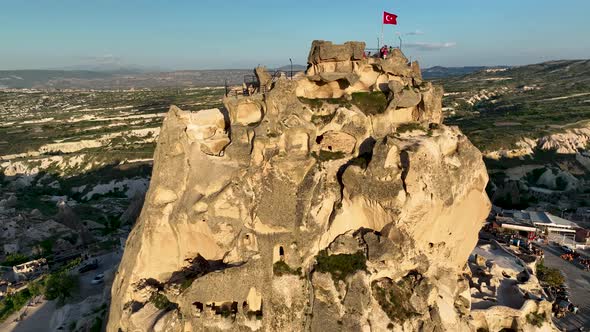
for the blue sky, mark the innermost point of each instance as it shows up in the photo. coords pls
(202, 34)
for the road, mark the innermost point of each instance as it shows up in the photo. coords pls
(578, 282)
(86, 288)
(38, 318)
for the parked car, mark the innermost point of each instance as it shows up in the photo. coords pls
(99, 278)
(89, 267)
(567, 249)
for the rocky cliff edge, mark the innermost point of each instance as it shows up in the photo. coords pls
(336, 201)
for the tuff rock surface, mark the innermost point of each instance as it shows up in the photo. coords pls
(286, 211)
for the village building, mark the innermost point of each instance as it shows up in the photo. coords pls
(583, 236)
(554, 224)
(4, 286)
(530, 223)
(30, 270)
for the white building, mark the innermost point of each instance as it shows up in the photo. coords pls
(30, 270)
(555, 224)
(541, 221)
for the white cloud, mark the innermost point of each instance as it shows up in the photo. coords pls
(421, 46)
(101, 59)
(415, 33)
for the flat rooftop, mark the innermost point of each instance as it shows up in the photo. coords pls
(530, 218)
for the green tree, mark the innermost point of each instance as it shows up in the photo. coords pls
(36, 288)
(549, 275)
(60, 286)
(13, 303)
(47, 247)
(15, 259)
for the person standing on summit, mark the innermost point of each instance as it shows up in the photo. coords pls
(385, 52)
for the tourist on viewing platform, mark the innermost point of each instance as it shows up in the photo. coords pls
(384, 51)
(390, 50)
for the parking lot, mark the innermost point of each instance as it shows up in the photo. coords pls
(578, 282)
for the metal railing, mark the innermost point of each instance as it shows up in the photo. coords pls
(252, 85)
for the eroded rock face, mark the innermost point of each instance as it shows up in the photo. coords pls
(315, 216)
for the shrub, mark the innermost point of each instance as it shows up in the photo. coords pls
(314, 103)
(535, 319)
(36, 287)
(342, 265)
(407, 127)
(317, 103)
(47, 246)
(60, 286)
(281, 268)
(72, 263)
(370, 103)
(15, 259)
(549, 275)
(327, 155)
(394, 297)
(160, 301)
(186, 283)
(322, 119)
(13, 303)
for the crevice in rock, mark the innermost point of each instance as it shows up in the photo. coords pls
(305, 195)
(196, 268)
(226, 120)
(405, 164)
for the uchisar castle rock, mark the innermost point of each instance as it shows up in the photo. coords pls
(335, 201)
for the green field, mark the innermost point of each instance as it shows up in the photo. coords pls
(529, 101)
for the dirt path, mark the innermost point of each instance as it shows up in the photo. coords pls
(567, 97)
(37, 319)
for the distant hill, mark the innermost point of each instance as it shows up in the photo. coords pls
(124, 78)
(295, 68)
(113, 68)
(498, 107)
(24, 79)
(441, 72)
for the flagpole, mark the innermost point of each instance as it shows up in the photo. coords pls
(382, 25)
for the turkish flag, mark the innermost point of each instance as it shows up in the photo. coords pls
(389, 18)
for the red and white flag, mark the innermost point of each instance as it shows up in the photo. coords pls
(389, 18)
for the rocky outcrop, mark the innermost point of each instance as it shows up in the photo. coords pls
(505, 294)
(571, 141)
(307, 214)
(327, 57)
